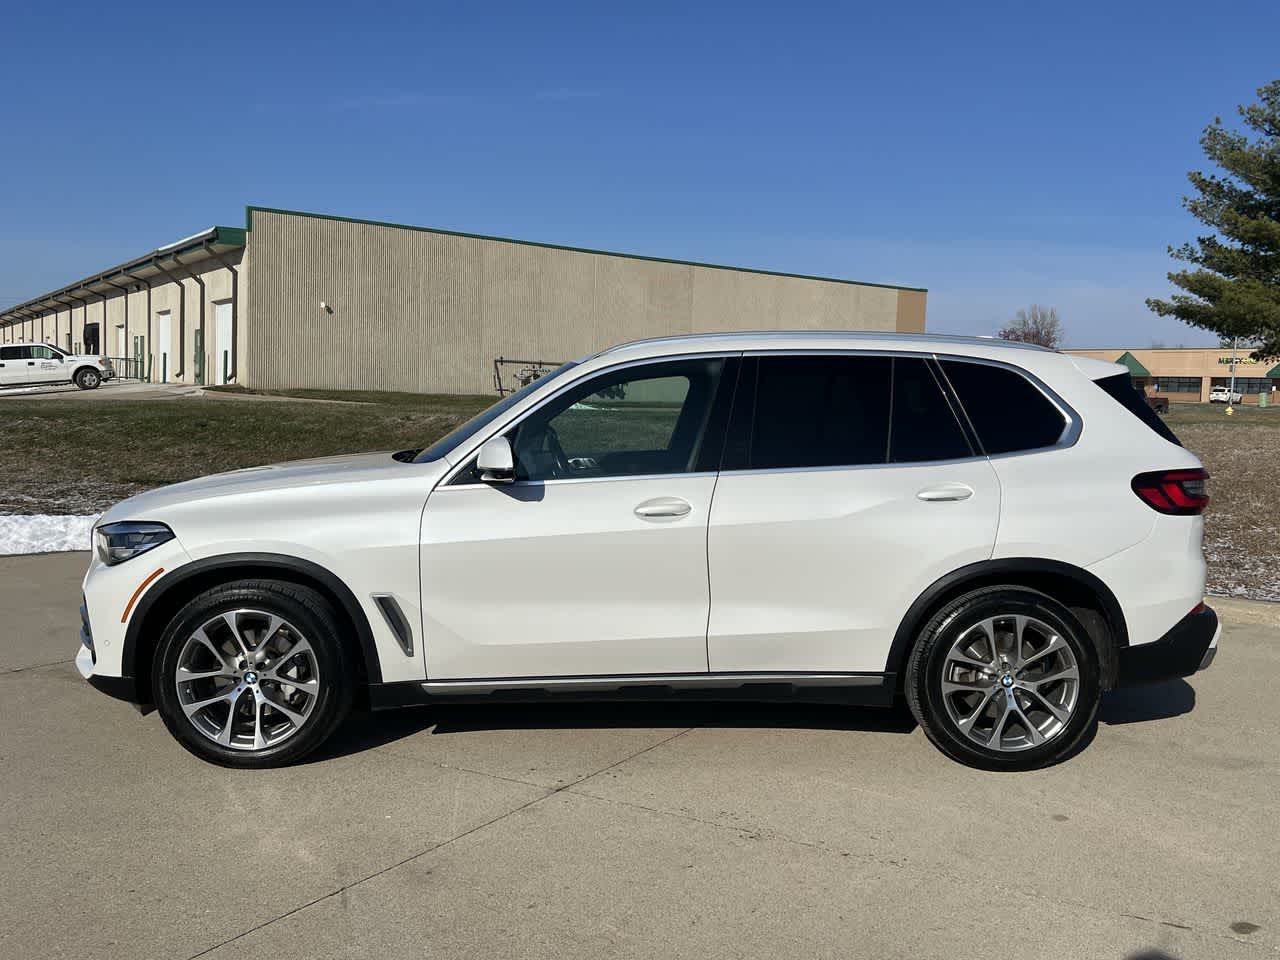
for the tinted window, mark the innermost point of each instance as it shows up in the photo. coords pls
(819, 411)
(1121, 389)
(15, 353)
(647, 419)
(922, 425)
(1008, 412)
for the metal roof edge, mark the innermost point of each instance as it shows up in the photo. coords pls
(221, 236)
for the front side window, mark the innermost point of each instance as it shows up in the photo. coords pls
(465, 431)
(42, 353)
(649, 419)
(1008, 412)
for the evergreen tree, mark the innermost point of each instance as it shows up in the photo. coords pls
(1234, 286)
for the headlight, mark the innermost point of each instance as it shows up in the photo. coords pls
(118, 542)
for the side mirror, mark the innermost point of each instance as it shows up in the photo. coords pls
(495, 461)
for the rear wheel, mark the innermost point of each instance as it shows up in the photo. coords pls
(1004, 678)
(253, 674)
(88, 378)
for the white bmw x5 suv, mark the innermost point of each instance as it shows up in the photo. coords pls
(994, 532)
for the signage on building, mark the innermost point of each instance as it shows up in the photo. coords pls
(1227, 360)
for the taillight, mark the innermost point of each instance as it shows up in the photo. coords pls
(1180, 493)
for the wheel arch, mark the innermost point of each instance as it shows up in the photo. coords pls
(177, 588)
(75, 374)
(1091, 600)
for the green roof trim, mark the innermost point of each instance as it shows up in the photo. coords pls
(1274, 372)
(1136, 369)
(250, 210)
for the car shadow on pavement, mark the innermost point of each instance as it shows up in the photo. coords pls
(364, 730)
(1158, 701)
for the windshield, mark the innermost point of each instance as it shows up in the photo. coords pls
(465, 431)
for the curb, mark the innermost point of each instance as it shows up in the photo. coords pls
(1234, 610)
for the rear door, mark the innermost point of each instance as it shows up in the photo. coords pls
(848, 486)
(13, 366)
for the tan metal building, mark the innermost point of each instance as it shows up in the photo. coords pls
(296, 300)
(1186, 374)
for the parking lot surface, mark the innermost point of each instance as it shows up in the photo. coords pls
(631, 831)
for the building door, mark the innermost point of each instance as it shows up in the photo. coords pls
(222, 342)
(139, 357)
(122, 344)
(164, 320)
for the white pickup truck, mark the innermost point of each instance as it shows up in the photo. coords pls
(32, 364)
(1221, 394)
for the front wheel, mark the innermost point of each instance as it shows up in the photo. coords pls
(1004, 678)
(253, 674)
(88, 378)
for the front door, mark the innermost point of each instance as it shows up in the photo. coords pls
(46, 366)
(848, 487)
(593, 562)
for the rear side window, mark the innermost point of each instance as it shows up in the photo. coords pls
(922, 426)
(1121, 389)
(819, 411)
(1006, 409)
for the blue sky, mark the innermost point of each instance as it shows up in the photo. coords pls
(998, 154)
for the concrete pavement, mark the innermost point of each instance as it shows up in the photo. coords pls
(630, 831)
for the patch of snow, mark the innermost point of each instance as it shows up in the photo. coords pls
(44, 533)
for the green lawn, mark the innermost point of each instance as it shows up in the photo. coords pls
(1186, 414)
(80, 456)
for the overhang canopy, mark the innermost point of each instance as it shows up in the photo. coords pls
(1136, 369)
(1274, 372)
(201, 246)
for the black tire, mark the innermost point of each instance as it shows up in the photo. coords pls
(923, 681)
(87, 378)
(299, 606)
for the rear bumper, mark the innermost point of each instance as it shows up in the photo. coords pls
(1189, 646)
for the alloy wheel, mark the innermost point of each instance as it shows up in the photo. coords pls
(1010, 683)
(247, 679)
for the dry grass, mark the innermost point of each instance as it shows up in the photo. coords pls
(81, 456)
(1242, 526)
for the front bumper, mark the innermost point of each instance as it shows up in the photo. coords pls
(120, 688)
(1189, 646)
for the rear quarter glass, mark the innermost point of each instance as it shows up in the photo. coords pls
(1120, 388)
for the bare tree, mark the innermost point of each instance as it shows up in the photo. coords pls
(1036, 324)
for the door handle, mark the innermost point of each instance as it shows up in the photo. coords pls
(943, 492)
(663, 508)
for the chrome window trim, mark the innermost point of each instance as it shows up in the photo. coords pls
(514, 419)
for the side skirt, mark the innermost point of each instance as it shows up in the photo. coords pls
(853, 689)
